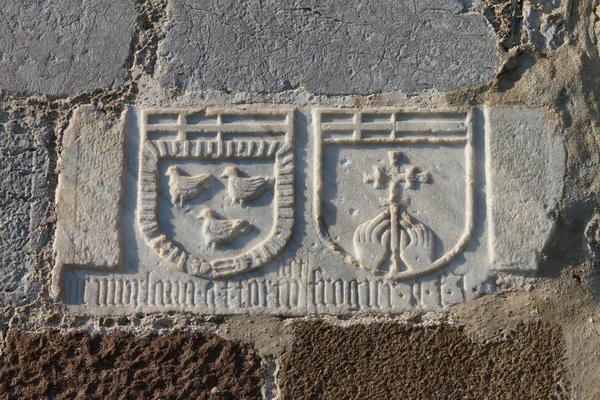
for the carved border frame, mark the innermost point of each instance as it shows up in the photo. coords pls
(470, 207)
(281, 151)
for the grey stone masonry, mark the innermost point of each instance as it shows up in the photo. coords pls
(64, 47)
(334, 47)
(24, 164)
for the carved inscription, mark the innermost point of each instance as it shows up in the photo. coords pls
(283, 292)
(293, 288)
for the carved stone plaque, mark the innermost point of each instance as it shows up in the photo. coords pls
(413, 220)
(241, 209)
(238, 167)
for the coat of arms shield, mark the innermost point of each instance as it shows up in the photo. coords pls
(394, 189)
(216, 188)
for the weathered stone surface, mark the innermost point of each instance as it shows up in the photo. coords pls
(25, 142)
(64, 47)
(523, 204)
(538, 25)
(526, 56)
(336, 47)
(119, 365)
(397, 217)
(90, 192)
(377, 360)
(543, 24)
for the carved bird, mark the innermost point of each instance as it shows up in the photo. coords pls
(183, 188)
(221, 231)
(241, 189)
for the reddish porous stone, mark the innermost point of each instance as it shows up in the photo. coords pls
(118, 365)
(393, 361)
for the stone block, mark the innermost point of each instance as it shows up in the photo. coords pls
(90, 193)
(527, 159)
(121, 365)
(334, 47)
(64, 47)
(383, 360)
(25, 159)
(405, 209)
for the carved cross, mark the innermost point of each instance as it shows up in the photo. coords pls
(378, 177)
(397, 177)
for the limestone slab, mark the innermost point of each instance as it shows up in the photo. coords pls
(334, 47)
(64, 47)
(396, 210)
(526, 159)
(90, 193)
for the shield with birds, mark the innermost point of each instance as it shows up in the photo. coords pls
(216, 188)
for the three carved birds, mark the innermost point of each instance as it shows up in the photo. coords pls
(215, 230)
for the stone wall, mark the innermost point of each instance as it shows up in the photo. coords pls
(291, 199)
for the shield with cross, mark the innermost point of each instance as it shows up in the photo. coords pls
(394, 189)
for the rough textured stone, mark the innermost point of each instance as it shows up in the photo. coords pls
(118, 365)
(543, 24)
(534, 24)
(25, 152)
(335, 47)
(382, 361)
(64, 47)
